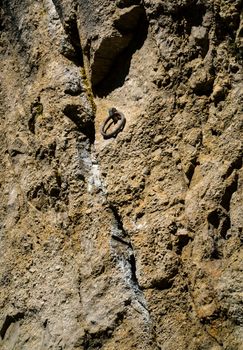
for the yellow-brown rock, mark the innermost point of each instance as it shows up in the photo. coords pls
(131, 242)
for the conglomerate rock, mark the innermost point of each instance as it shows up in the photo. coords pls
(133, 242)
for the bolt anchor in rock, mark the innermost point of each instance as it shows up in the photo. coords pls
(113, 118)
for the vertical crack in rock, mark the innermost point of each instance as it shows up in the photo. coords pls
(118, 233)
(133, 269)
(236, 165)
(117, 219)
(125, 256)
(71, 47)
(124, 266)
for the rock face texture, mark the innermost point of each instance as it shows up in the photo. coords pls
(133, 242)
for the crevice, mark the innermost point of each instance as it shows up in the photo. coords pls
(236, 164)
(132, 262)
(214, 218)
(229, 190)
(14, 152)
(181, 242)
(118, 219)
(119, 239)
(89, 131)
(204, 87)
(119, 70)
(216, 132)
(71, 30)
(9, 319)
(162, 284)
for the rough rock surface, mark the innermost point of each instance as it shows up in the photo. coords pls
(133, 242)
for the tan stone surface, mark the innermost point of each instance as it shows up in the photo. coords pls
(133, 242)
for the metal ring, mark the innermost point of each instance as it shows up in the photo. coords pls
(105, 126)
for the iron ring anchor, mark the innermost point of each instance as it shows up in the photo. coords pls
(114, 117)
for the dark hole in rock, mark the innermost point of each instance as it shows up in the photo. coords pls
(173, 228)
(54, 192)
(73, 89)
(191, 169)
(216, 132)
(31, 124)
(59, 180)
(216, 254)
(181, 242)
(139, 215)
(214, 218)
(89, 131)
(14, 152)
(119, 67)
(8, 321)
(204, 87)
(208, 319)
(240, 234)
(127, 302)
(162, 284)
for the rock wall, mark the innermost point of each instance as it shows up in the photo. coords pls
(133, 242)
